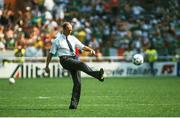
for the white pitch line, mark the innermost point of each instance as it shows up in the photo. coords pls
(42, 97)
(61, 97)
(39, 97)
(89, 105)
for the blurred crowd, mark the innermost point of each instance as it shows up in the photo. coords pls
(111, 27)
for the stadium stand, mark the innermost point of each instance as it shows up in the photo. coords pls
(110, 26)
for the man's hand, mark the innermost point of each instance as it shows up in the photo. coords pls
(47, 70)
(93, 52)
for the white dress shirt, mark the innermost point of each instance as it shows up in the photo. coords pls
(60, 47)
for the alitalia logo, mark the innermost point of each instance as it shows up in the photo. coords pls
(32, 70)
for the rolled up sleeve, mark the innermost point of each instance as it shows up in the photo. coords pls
(78, 44)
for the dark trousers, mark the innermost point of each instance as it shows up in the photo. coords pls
(75, 66)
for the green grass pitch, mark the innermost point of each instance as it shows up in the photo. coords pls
(115, 97)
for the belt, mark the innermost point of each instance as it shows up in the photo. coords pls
(66, 57)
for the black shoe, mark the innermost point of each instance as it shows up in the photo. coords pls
(101, 78)
(72, 107)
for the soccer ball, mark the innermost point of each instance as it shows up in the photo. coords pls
(12, 80)
(137, 59)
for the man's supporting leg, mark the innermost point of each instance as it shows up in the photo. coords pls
(76, 91)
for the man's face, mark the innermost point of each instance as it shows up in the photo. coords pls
(68, 29)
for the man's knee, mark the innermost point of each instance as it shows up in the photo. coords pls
(82, 65)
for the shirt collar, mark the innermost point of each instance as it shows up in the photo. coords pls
(64, 35)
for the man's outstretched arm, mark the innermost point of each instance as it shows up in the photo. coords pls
(48, 60)
(86, 48)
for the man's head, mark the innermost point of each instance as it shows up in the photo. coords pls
(67, 28)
